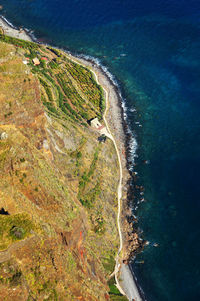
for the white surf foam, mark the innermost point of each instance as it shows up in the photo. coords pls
(8, 22)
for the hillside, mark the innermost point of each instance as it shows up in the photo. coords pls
(58, 188)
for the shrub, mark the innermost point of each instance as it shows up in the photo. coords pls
(79, 155)
(47, 89)
(53, 65)
(50, 107)
(19, 43)
(17, 233)
(14, 227)
(114, 292)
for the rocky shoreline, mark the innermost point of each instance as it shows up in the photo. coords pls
(132, 244)
(14, 32)
(117, 123)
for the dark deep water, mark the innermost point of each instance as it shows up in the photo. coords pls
(153, 49)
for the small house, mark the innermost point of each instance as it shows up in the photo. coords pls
(98, 126)
(44, 58)
(36, 61)
(95, 123)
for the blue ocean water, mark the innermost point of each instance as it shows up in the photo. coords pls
(152, 49)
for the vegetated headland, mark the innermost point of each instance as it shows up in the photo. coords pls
(66, 226)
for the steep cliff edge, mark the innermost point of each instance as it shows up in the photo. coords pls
(58, 189)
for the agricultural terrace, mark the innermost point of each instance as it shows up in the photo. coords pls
(68, 90)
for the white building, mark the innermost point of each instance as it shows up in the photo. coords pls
(95, 123)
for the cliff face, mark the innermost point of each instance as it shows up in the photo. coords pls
(58, 202)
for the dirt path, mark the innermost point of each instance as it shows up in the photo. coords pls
(132, 292)
(119, 189)
(129, 289)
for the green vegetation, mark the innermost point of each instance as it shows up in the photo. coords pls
(70, 262)
(114, 293)
(72, 96)
(87, 84)
(109, 263)
(19, 43)
(4, 151)
(79, 96)
(99, 225)
(8, 114)
(87, 199)
(79, 155)
(48, 77)
(47, 89)
(53, 65)
(55, 51)
(14, 227)
(50, 107)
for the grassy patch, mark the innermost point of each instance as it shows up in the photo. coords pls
(114, 292)
(47, 89)
(109, 263)
(13, 228)
(88, 199)
(4, 152)
(70, 262)
(19, 43)
(4, 49)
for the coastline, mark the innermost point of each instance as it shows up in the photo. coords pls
(118, 128)
(125, 278)
(14, 32)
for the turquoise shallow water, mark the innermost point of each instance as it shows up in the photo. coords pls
(152, 49)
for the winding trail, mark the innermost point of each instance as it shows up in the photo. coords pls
(119, 189)
(129, 289)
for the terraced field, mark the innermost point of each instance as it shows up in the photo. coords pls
(68, 90)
